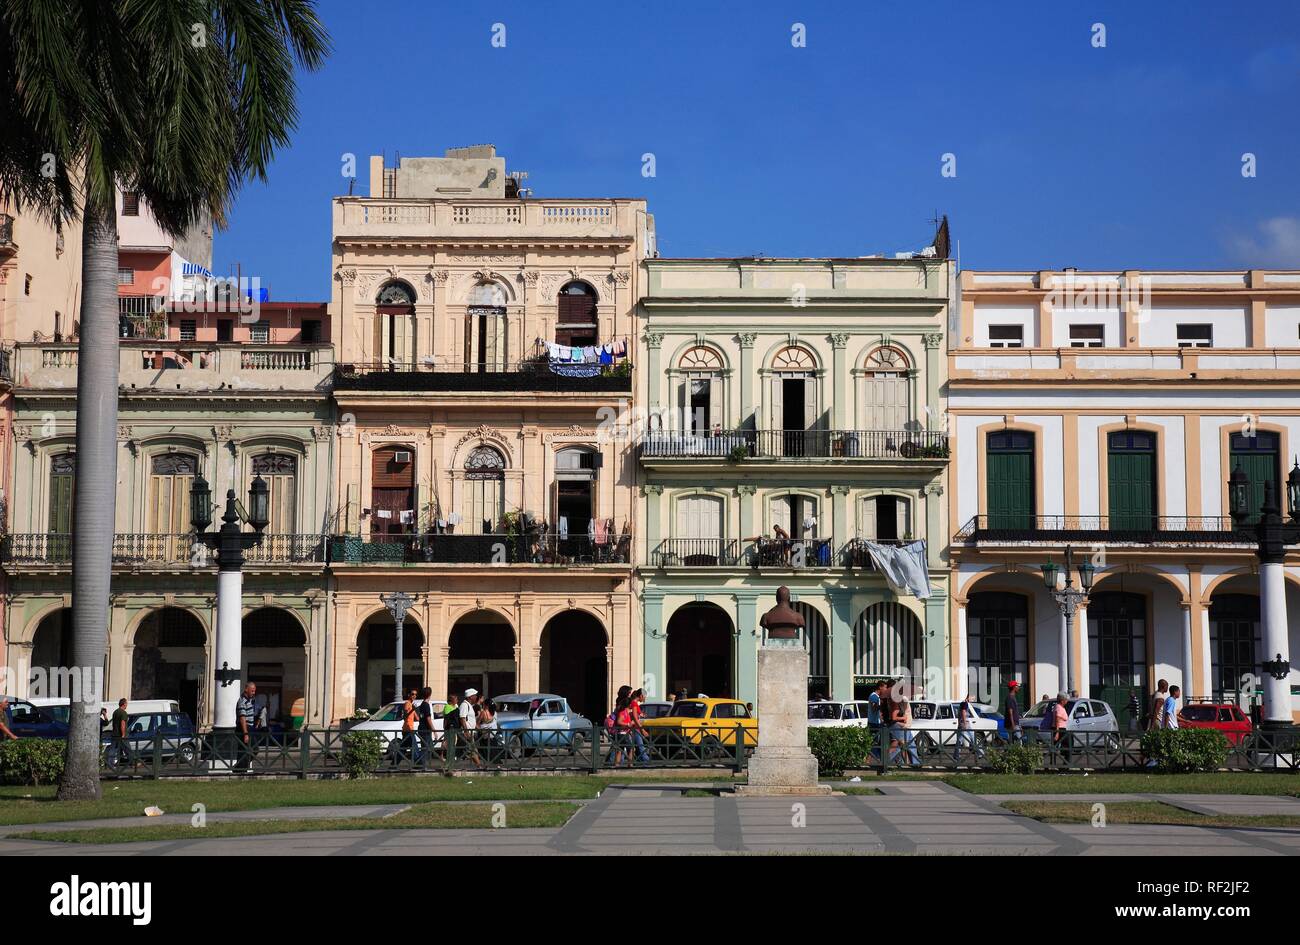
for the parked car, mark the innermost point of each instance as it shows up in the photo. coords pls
(1220, 716)
(987, 711)
(837, 714)
(655, 710)
(935, 723)
(531, 721)
(28, 720)
(173, 731)
(1093, 719)
(710, 723)
(388, 722)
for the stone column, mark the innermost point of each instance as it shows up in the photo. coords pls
(747, 414)
(933, 380)
(841, 643)
(1272, 593)
(842, 382)
(960, 653)
(1082, 677)
(936, 631)
(1188, 680)
(745, 494)
(654, 386)
(656, 650)
(747, 650)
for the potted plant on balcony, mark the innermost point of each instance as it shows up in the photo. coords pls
(738, 452)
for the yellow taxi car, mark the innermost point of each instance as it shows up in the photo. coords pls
(709, 723)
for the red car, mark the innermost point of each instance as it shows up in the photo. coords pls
(1222, 716)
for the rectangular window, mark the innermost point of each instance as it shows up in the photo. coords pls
(130, 203)
(27, 284)
(1006, 336)
(189, 329)
(311, 331)
(125, 276)
(225, 330)
(260, 333)
(1087, 336)
(1195, 336)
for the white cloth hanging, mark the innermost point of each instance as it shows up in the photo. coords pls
(903, 567)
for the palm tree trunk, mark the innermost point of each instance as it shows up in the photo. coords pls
(96, 493)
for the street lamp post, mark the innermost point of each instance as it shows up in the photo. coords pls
(398, 604)
(1271, 535)
(1068, 600)
(229, 543)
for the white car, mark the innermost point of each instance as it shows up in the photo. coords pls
(1092, 718)
(837, 714)
(935, 723)
(388, 722)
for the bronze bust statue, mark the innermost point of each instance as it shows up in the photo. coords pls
(783, 625)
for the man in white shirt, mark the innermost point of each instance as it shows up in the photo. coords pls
(469, 723)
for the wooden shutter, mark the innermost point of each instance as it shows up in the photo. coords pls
(867, 519)
(903, 511)
(62, 489)
(715, 402)
(1010, 485)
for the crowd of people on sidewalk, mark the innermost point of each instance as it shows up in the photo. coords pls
(466, 721)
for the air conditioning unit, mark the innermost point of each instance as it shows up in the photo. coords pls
(402, 457)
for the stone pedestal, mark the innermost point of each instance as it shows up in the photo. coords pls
(782, 763)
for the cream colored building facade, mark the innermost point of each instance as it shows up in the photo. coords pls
(1106, 411)
(472, 472)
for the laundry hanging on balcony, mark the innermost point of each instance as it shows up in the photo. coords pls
(585, 360)
(903, 566)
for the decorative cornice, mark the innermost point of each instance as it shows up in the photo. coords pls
(482, 433)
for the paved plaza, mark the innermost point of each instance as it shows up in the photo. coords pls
(906, 818)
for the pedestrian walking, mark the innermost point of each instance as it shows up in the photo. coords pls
(640, 737)
(5, 733)
(410, 737)
(245, 723)
(618, 723)
(120, 746)
(900, 731)
(1060, 721)
(1134, 711)
(1171, 707)
(875, 704)
(1161, 696)
(1014, 734)
(451, 725)
(427, 730)
(966, 731)
(469, 724)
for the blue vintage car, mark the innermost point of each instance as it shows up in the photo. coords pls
(27, 720)
(533, 721)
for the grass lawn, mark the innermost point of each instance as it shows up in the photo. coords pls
(422, 816)
(28, 805)
(1222, 782)
(1142, 812)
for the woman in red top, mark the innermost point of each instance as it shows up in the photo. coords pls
(639, 734)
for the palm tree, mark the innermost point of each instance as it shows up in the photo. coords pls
(180, 102)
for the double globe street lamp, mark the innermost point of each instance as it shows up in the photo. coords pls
(229, 543)
(1271, 535)
(1068, 600)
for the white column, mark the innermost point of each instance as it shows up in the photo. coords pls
(230, 600)
(1207, 659)
(1188, 682)
(1083, 678)
(961, 665)
(1063, 662)
(1272, 592)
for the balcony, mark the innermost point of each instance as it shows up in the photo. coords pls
(7, 245)
(431, 218)
(761, 554)
(913, 446)
(532, 374)
(167, 552)
(1164, 530)
(492, 550)
(173, 365)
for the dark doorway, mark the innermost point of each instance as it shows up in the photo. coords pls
(377, 657)
(481, 655)
(168, 659)
(574, 664)
(701, 644)
(793, 415)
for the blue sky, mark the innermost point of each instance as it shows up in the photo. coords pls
(1127, 156)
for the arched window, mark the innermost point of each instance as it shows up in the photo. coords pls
(483, 504)
(997, 635)
(794, 402)
(395, 324)
(280, 470)
(576, 320)
(886, 405)
(485, 328)
(168, 512)
(699, 394)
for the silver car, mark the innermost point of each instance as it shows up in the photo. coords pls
(1091, 719)
(533, 721)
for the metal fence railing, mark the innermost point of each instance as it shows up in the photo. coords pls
(326, 753)
(177, 550)
(523, 548)
(1079, 529)
(799, 444)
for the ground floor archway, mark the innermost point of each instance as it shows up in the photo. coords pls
(574, 662)
(1236, 642)
(51, 655)
(275, 660)
(481, 654)
(888, 642)
(169, 659)
(376, 672)
(701, 651)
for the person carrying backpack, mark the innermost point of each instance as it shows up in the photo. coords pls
(424, 716)
(617, 725)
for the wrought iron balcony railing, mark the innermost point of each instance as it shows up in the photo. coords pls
(740, 445)
(498, 549)
(792, 553)
(695, 553)
(160, 550)
(1101, 529)
(531, 374)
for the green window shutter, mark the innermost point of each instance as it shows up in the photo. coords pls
(1131, 490)
(1010, 482)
